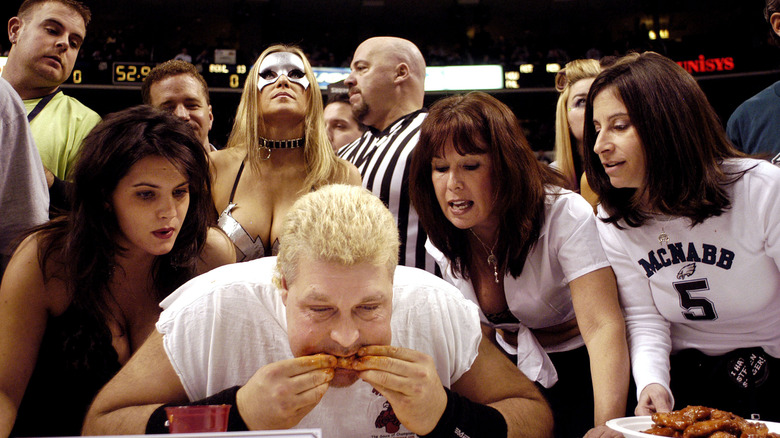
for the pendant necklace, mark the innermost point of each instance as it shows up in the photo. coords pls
(492, 261)
(663, 238)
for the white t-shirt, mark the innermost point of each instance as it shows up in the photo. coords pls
(568, 248)
(221, 327)
(714, 287)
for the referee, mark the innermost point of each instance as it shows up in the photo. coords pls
(386, 89)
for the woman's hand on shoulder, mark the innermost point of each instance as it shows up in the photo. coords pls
(218, 251)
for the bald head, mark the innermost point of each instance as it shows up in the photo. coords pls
(387, 80)
(400, 51)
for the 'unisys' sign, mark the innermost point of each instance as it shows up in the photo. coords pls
(704, 65)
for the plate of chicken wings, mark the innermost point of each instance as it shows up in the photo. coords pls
(694, 422)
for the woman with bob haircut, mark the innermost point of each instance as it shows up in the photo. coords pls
(81, 292)
(573, 83)
(692, 229)
(526, 251)
(277, 151)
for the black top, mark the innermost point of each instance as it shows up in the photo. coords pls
(75, 360)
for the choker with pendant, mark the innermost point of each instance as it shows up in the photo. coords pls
(268, 145)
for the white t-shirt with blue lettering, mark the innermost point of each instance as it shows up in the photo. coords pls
(714, 287)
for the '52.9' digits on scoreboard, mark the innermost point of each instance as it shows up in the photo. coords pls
(130, 72)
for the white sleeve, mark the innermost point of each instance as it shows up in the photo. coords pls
(466, 335)
(574, 230)
(431, 316)
(205, 330)
(649, 339)
(186, 341)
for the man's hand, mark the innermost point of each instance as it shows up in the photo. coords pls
(653, 398)
(409, 381)
(280, 394)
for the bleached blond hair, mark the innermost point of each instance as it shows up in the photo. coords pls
(338, 223)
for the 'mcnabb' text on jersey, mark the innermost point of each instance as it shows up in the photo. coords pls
(675, 253)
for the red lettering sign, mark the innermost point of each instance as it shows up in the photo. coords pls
(704, 65)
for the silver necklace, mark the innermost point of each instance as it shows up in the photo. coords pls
(663, 238)
(492, 261)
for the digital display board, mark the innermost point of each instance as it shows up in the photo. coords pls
(128, 73)
(464, 77)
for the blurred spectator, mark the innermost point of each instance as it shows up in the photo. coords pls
(340, 123)
(753, 127)
(183, 55)
(141, 53)
(204, 57)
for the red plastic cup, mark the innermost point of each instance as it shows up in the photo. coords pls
(191, 419)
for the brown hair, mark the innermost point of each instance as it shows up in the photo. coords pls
(477, 123)
(772, 7)
(683, 141)
(86, 240)
(77, 6)
(169, 68)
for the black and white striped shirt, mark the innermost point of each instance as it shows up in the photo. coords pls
(383, 159)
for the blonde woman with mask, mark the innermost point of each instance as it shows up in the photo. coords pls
(277, 151)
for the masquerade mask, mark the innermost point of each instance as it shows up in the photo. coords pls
(282, 63)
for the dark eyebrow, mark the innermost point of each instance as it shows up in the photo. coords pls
(155, 186)
(146, 184)
(616, 115)
(54, 21)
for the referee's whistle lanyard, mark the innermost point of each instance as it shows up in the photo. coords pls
(41, 104)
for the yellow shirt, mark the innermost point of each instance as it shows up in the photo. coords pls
(58, 131)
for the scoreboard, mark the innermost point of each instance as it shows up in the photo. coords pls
(133, 74)
(128, 72)
(222, 76)
(232, 76)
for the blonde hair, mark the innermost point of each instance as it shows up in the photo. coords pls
(322, 165)
(564, 154)
(337, 223)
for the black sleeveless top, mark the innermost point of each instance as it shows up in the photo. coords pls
(75, 360)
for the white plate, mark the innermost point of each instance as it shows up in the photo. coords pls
(630, 427)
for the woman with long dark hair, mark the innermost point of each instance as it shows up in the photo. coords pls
(526, 251)
(81, 292)
(692, 229)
